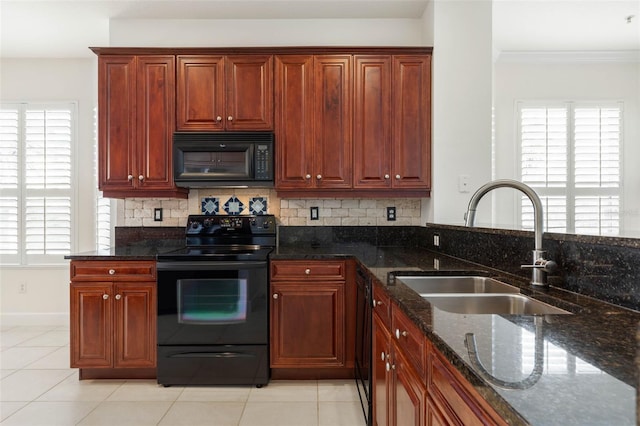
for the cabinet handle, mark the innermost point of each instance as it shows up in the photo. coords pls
(403, 334)
(105, 296)
(275, 295)
(118, 297)
(230, 118)
(218, 118)
(130, 177)
(308, 176)
(141, 178)
(318, 177)
(387, 176)
(383, 356)
(398, 177)
(389, 366)
(112, 271)
(307, 271)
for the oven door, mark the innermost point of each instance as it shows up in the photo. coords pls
(212, 302)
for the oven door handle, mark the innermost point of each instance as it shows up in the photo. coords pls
(209, 265)
(225, 354)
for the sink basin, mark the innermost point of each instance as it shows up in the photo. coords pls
(487, 303)
(455, 284)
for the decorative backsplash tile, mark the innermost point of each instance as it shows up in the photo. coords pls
(258, 205)
(210, 205)
(233, 206)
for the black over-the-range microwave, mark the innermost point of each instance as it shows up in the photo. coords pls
(223, 159)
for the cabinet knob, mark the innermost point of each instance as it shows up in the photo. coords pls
(389, 366)
(383, 356)
(399, 333)
(230, 118)
(307, 271)
(387, 176)
(118, 297)
(398, 177)
(318, 177)
(112, 271)
(130, 177)
(218, 118)
(141, 178)
(308, 176)
(275, 295)
(105, 296)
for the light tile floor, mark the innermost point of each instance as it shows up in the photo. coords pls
(37, 387)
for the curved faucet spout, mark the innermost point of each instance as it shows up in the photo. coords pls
(540, 266)
(508, 183)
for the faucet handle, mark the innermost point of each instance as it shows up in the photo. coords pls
(548, 266)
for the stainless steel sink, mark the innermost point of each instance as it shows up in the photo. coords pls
(455, 284)
(487, 303)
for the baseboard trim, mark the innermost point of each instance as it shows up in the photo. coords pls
(54, 319)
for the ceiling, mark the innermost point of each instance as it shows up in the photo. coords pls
(53, 28)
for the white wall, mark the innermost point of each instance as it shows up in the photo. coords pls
(52, 80)
(545, 79)
(462, 72)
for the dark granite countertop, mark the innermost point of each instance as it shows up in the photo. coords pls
(588, 373)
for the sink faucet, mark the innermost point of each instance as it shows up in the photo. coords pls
(540, 266)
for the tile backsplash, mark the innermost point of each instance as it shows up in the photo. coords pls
(289, 212)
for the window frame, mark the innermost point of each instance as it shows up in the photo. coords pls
(570, 192)
(21, 259)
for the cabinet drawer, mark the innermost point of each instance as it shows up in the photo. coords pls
(409, 339)
(308, 270)
(113, 271)
(382, 305)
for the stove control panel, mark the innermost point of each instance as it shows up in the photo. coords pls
(218, 224)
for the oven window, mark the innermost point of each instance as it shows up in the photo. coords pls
(212, 301)
(234, 163)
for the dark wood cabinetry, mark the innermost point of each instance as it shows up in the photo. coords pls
(313, 122)
(113, 318)
(136, 115)
(312, 314)
(217, 93)
(413, 384)
(392, 130)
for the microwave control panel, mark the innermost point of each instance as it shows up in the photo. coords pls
(263, 162)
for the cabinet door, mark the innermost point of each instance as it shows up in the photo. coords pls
(381, 379)
(200, 93)
(294, 121)
(332, 160)
(156, 114)
(409, 392)
(307, 324)
(135, 329)
(91, 331)
(412, 122)
(249, 96)
(116, 122)
(372, 122)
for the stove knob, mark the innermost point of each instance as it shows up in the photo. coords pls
(266, 224)
(252, 221)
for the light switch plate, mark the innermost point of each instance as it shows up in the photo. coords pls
(157, 215)
(314, 213)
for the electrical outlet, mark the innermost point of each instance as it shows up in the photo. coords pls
(463, 183)
(157, 215)
(391, 213)
(436, 240)
(23, 287)
(314, 213)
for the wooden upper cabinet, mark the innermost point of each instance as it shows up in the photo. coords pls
(136, 110)
(372, 121)
(294, 121)
(411, 121)
(313, 122)
(116, 122)
(332, 115)
(216, 93)
(392, 130)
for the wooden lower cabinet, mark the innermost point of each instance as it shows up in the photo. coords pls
(113, 317)
(310, 323)
(399, 393)
(413, 384)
